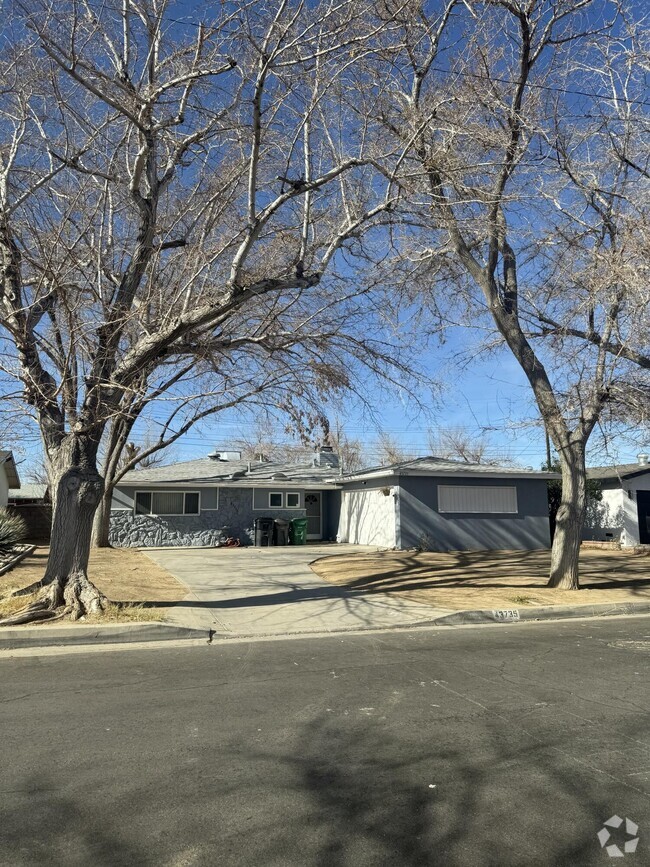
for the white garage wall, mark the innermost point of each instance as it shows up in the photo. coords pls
(368, 518)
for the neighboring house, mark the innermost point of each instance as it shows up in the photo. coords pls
(198, 502)
(32, 502)
(443, 505)
(8, 476)
(623, 515)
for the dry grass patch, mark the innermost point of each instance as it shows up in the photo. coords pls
(124, 575)
(488, 579)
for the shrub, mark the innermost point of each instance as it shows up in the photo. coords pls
(12, 531)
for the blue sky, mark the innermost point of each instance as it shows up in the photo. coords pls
(491, 396)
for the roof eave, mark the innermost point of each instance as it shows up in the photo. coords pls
(13, 480)
(229, 483)
(453, 474)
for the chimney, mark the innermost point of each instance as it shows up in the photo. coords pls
(643, 458)
(326, 457)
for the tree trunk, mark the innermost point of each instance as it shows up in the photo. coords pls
(565, 551)
(102, 521)
(65, 584)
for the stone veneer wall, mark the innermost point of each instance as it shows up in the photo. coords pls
(234, 517)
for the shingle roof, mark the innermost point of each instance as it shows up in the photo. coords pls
(235, 473)
(620, 471)
(432, 466)
(28, 491)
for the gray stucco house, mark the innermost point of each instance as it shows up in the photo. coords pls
(429, 502)
(199, 502)
(443, 505)
(623, 514)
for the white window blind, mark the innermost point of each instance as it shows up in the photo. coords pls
(477, 499)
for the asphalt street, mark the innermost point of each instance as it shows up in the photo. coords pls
(507, 745)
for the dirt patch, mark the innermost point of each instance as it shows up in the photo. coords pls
(489, 579)
(122, 574)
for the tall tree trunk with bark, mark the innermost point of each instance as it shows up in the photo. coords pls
(77, 489)
(102, 520)
(565, 550)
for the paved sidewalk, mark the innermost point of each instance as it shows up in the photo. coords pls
(272, 591)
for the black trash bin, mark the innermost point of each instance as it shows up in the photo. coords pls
(280, 532)
(263, 532)
(298, 531)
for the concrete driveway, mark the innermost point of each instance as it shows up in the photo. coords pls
(272, 591)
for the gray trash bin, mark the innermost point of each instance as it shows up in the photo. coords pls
(264, 532)
(280, 532)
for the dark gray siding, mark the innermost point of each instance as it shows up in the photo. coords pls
(420, 523)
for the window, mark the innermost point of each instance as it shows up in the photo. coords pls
(293, 500)
(191, 503)
(275, 500)
(167, 503)
(143, 503)
(477, 499)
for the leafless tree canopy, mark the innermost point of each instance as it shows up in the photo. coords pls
(520, 140)
(171, 195)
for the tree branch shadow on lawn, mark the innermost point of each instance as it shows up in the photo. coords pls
(408, 574)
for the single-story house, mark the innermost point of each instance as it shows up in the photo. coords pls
(8, 476)
(623, 514)
(429, 502)
(198, 502)
(445, 505)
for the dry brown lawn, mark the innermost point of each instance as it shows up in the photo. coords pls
(122, 574)
(489, 579)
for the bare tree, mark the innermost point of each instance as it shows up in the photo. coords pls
(387, 450)
(457, 444)
(158, 178)
(479, 92)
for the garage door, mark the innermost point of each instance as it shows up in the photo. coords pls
(368, 518)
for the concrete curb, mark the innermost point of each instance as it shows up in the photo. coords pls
(14, 637)
(548, 612)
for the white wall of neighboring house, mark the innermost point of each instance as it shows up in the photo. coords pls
(368, 517)
(4, 487)
(605, 517)
(616, 516)
(630, 535)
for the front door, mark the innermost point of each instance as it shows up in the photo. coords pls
(314, 518)
(643, 506)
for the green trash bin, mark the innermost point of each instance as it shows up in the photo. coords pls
(298, 531)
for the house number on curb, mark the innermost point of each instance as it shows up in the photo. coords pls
(505, 614)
